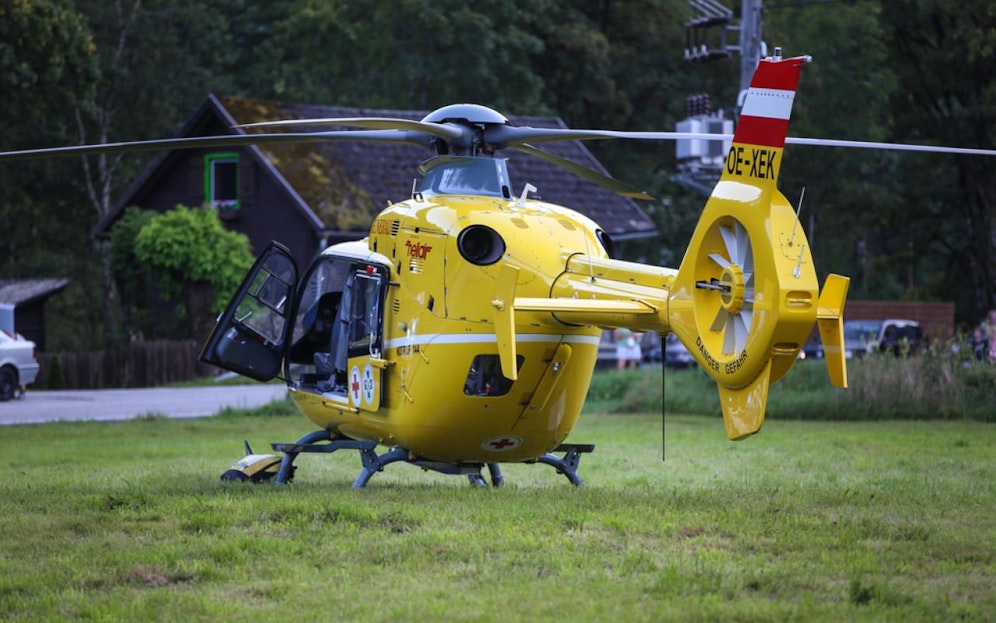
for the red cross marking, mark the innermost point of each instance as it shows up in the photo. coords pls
(502, 443)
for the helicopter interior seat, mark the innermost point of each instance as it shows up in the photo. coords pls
(330, 374)
(331, 361)
(313, 347)
(316, 328)
(327, 377)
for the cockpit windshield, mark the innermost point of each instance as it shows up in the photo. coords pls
(455, 175)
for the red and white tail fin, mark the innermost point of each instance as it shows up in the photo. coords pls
(764, 118)
(755, 156)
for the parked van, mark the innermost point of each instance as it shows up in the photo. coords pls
(896, 336)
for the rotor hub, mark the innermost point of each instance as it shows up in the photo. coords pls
(734, 288)
(469, 113)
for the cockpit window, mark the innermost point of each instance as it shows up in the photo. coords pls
(465, 176)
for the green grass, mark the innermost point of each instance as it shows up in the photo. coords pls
(833, 521)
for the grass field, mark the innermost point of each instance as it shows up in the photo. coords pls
(887, 520)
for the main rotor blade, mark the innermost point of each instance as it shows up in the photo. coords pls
(508, 136)
(233, 140)
(448, 132)
(497, 134)
(511, 136)
(593, 176)
(417, 133)
(828, 142)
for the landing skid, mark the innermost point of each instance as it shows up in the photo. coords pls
(322, 441)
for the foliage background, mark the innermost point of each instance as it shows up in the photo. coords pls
(915, 227)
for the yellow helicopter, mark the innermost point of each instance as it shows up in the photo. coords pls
(462, 333)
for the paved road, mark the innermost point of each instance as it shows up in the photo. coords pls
(123, 404)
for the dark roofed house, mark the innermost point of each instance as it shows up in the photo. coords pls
(28, 297)
(310, 195)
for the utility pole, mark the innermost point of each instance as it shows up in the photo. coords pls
(752, 48)
(700, 162)
(706, 35)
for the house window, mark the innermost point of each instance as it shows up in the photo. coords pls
(221, 180)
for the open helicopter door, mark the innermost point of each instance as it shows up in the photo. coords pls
(250, 336)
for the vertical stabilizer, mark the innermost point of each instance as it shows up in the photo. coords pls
(755, 155)
(830, 320)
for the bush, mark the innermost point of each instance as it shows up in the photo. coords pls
(933, 385)
(54, 378)
(639, 391)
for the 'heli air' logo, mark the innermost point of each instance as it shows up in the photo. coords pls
(417, 250)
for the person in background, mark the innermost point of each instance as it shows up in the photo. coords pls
(989, 329)
(628, 351)
(979, 343)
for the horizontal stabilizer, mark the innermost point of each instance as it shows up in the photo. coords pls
(585, 306)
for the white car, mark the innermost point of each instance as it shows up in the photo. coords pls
(18, 364)
(896, 336)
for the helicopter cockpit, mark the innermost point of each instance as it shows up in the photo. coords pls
(465, 175)
(338, 318)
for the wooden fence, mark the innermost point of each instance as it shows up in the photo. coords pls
(142, 364)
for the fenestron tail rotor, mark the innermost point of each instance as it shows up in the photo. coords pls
(734, 287)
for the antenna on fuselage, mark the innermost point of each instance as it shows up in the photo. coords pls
(528, 188)
(798, 213)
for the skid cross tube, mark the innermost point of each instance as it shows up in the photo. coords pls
(568, 465)
(322, 441)
(310, 443)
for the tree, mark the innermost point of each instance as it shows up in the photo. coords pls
(843, 94)
(158, 61)
(943, 54)
(46, 58)
(195, 260)
(130, 274)
(410, 54)
(48, 65)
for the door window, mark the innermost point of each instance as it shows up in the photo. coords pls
(249, 337)
(364, 325)
(319, 308)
